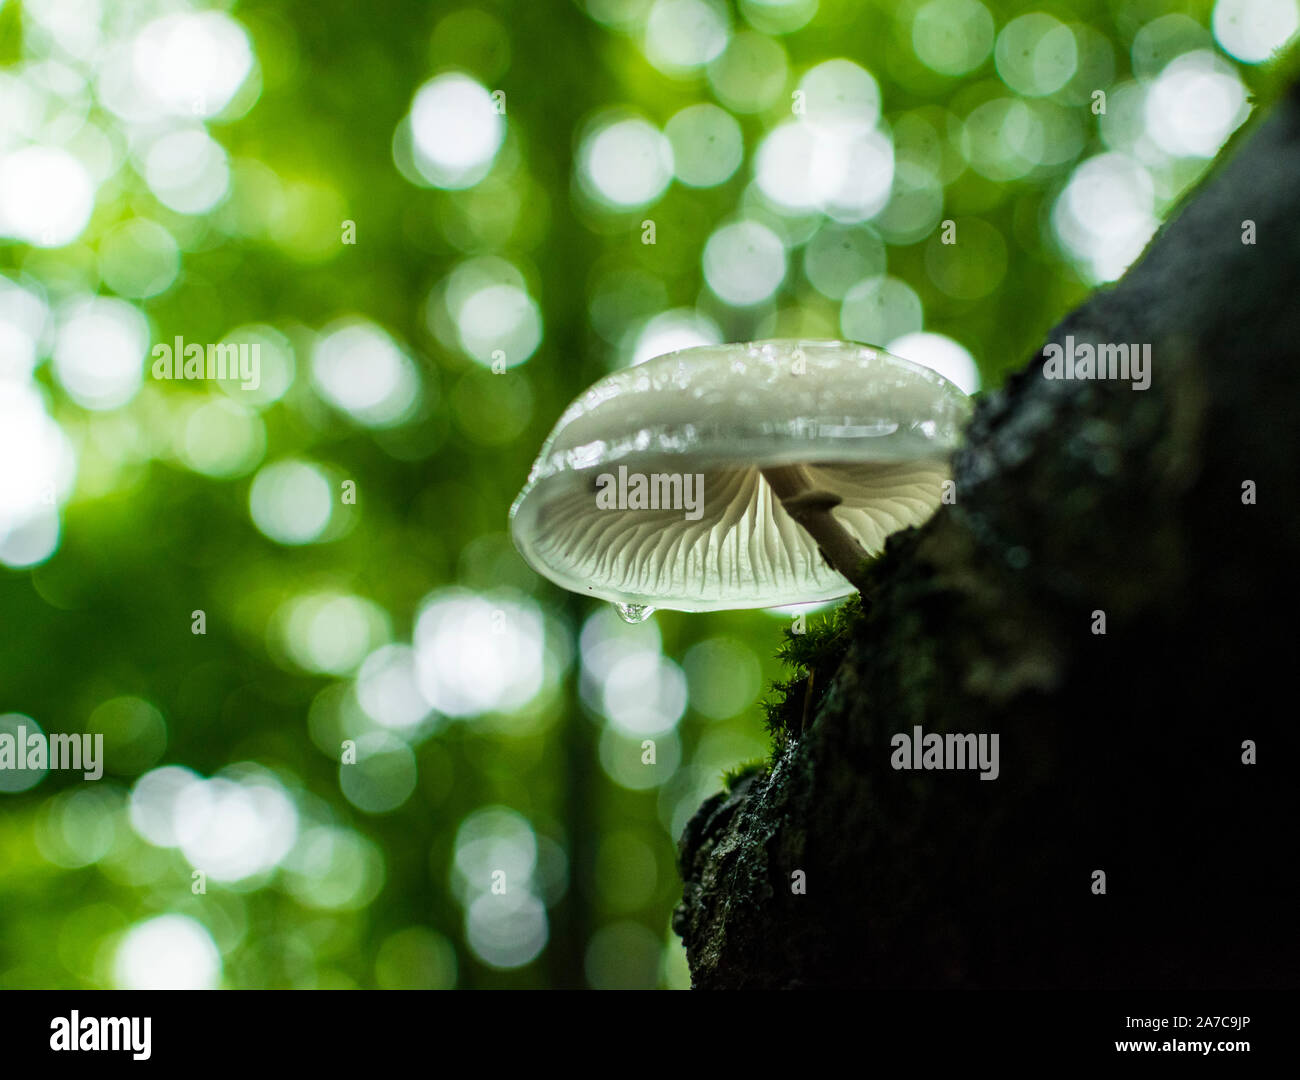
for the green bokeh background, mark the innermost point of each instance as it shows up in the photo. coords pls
(97, 636)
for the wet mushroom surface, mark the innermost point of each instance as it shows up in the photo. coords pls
(737, 476)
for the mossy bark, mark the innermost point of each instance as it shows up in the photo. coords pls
(1120, 752)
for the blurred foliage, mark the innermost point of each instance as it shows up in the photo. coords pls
(518, 240)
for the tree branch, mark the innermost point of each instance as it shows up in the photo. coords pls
(1120, 752)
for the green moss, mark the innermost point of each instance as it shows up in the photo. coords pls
(1270, 80)
(733, 776)
(814, 655)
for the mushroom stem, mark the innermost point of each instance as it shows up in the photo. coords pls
(811, 508)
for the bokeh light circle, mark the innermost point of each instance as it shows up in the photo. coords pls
(359, 369)
(168, 952)
(99, 352)
(707, 145)
(457, 130)
(291, 501)
(953, 37)
(940, 354)
(744, 263)
(1252, 30)
(1036, 54)
(625, 163)
(46, 196)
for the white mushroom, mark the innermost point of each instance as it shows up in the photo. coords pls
(737, 476)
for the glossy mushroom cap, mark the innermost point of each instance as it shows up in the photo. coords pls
(869, 427)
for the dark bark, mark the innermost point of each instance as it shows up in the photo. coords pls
(1121, 753)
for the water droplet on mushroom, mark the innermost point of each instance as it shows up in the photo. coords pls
(633, 613)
